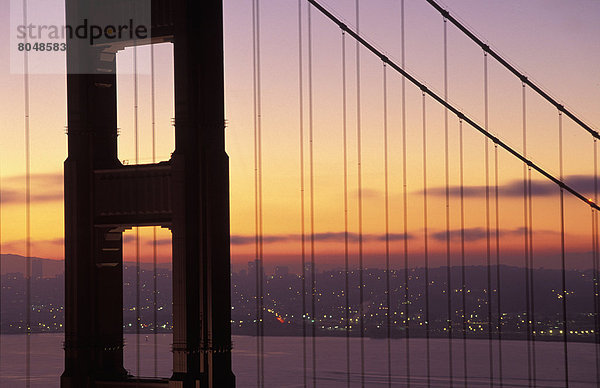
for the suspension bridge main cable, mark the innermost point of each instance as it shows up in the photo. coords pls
(563, 253)
(387, 227)
(405, 200)
(258, 193)
(512, 69)
(313, 279)
(346, 236)
(304, 314)
(451, 107)
(487, 220)
(447, 192)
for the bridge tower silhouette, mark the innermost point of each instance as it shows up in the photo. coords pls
(189, 194)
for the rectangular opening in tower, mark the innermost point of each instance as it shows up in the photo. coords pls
(145, 104)
(147, 302)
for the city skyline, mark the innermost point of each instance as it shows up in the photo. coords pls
(283, 291)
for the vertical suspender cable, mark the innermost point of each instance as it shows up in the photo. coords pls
(256, 249)
(405, 203)
(498, 277)
(529, 244)
(259, 199)
(531, 279)
(27, 211)
(462, 250)
(426, 241)
(256, 242)
(313, 280)
(137, 229)
(387, 228)
(360, 205)
(526, 240)
(563, 253)
(595, 264)
(346, 237)
(28, 243)
(261, 271)
(447, 175)
(302, 218)
(257, 194)
(154, 244)
(0, 268)
(487, 221)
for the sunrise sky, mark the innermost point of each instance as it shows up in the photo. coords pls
(553, 41)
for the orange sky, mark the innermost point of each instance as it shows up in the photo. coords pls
(555, 44)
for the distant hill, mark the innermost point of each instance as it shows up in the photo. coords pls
(47, 268)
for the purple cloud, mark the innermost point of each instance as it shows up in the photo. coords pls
(44, 188)
(581, 183)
